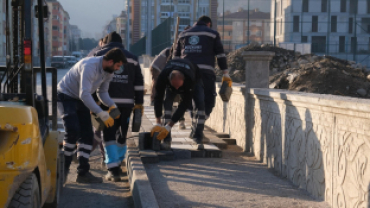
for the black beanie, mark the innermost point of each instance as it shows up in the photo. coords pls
(114, 37)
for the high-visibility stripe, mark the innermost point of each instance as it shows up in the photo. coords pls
(83, 154)
(71, 146)
(176, 57)
(163, 55)
(132, 61)
(201, 113)
(184, 34)
(203, 66)
(221, 55)
(156, 67)
(200, 121)
(168, 112)
(139, 88)
(112, 165)
(97, 139)
(85, 146)
(124, 101)
(68, 153)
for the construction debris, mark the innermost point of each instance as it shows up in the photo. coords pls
(305, 73)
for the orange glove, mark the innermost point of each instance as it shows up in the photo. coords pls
(163, 133)
(112, 108)
(139, 106)
(156, 128)
(226, 78)
(104, 116)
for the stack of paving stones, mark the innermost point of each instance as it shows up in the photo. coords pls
(182, 147)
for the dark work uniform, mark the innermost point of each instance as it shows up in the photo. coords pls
(192, 83)
(201, 45)
(126, 89)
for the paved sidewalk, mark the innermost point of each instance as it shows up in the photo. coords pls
(235, 180)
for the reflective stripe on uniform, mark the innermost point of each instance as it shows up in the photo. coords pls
(203, 66)
(221, 55)
(123, 101)
(139, 88)
(85, 146)
(201, 113)
(200, 121)
(98, 139)
(83, 154)
(168, 112)
(68, 153)
(197, 33)
(132, 61)
(71, 146)
(112, 165)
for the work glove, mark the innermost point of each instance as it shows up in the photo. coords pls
(226, 78)
(139, 106)
(164, 132)
(156, 128)
(112, 108)
(105, 117)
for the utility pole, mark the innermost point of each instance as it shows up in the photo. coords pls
(275, 24)
(248, 25)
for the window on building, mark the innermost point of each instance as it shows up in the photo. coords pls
(324, 5)
(353, 5)
(350, 25)
(315, 23)
(184, 21)
(55, 17)
(368, 28)
(368, 6)
(55, 38)
(183, 8)
(167, 8)
(55, 28)
(333, 23)
(184, 1)
(318, 44)
(296, 24)
(304, 39)
(305, 6)
(353, 44)
(343, 5)
(342, 44)
(281, 26)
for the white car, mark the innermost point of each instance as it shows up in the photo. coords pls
(77, 54)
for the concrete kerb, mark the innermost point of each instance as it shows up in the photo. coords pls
(140, 186)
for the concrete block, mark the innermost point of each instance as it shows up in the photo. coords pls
(145, 141)
(222, 135)
(149, 156)
(211, 151)
(156, 144)
(182, 154)
(182, 147)
(165, 155)
(230, 141)
(198, 153)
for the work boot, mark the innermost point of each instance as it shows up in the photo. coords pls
(112, 177)
(88, 178)
(182, 125)
(199, 144)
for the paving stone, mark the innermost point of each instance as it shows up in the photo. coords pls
(165, 155)
(230, 141)
(145, 141)
(198, 153)
(219, 143)
(222, 135)
(178, 140)
(182, 147)
(156, 144)
(212, 151)
(182, 154)
(149, 156)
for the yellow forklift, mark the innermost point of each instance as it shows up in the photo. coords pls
(31, 162)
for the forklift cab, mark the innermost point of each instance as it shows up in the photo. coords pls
(31, 162)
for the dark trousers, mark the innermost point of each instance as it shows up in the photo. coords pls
(78, 129)
(198, 112)
(114, 139)
(209, 82)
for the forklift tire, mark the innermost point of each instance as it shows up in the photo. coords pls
(27, 195)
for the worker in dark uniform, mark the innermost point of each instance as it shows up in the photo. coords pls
(75, 103)
(201, 45)
(178, 77)
(127, 92)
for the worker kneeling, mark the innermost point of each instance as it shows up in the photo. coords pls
(178, 77)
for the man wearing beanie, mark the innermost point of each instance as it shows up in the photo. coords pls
(127, 91)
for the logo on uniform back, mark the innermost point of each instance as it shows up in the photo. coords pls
(194, 40)
(120, 70)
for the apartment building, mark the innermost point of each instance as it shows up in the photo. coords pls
(145, 15)
(335, 27)
(2, 32)
(233, 28)
(57, 29)
(121, 25)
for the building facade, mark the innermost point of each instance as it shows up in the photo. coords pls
(335, 27)
(75, 35)
(233, 28)
(145, 15)
(57, 30)
(121, 25)
(2, 32)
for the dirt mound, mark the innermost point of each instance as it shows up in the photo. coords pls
(306, 73)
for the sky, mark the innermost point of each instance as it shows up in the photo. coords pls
(92, 15)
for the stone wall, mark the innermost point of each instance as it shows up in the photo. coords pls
(319, 142)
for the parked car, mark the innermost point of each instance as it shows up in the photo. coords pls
(59, 62)
(71, 60)
(77, 54)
